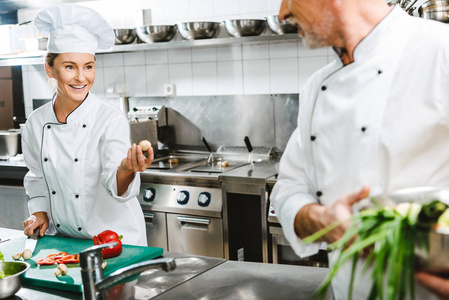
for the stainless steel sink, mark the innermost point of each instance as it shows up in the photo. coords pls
(154, 282)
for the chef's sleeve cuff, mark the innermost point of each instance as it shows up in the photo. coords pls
(37, 204)
(131, 192)
(288, 212)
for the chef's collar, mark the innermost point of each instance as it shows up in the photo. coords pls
(78, 113)
(370, 45)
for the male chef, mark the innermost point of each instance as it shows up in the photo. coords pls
(375, 119)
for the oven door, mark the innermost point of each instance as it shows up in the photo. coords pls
(195, 235)
(156, 226)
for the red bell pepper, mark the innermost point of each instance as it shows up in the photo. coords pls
(109, 236)
(68, 259)
(57, 256)
(46, 261)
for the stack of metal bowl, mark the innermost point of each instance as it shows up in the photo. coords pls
(280, 27)
(198, 30)
(437, 10)
(11, 284)
(245, 27)
(124, 36)
(156, 33)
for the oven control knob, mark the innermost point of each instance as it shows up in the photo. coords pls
(204, 199)
(149, 194)
(183, 197)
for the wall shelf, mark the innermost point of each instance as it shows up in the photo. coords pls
(36, 57)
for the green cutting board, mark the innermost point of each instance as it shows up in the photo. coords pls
(44, 275)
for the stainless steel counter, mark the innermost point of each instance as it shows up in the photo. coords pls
(247, 280)
(221, 280)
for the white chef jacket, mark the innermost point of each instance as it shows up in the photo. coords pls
(72, 171)
(382, 121)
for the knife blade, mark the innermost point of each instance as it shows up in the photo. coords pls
(32, 240)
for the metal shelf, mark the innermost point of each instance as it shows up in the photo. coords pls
(33, 58)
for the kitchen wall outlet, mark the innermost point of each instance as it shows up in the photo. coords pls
(169, 89)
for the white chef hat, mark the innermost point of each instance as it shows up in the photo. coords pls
(74, 28)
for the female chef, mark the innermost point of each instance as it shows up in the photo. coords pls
(83, 175)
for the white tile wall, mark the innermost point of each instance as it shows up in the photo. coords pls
(256, 76)
(181, 76)
(156, 78)
(257, 68)
(230, 77)
(287, 83)
(204, 78)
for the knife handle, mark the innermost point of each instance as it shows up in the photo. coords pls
(206, 144)
(248, 144)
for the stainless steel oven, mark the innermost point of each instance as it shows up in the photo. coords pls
(183, 218)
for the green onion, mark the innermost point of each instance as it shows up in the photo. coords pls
(392, 238)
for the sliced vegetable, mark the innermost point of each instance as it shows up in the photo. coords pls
(68, 259)
(58, 255)
(109, 236)
(46, 261)
(17, 256)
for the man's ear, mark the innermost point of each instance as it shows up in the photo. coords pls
(48, 71)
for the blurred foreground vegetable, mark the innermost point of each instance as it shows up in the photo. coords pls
(391, 236)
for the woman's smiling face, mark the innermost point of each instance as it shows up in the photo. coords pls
(75, 75)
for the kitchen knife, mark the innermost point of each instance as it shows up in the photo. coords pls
(32, 240)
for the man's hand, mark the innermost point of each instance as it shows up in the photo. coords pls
(314, 217)
(437, 285)
(38, 219)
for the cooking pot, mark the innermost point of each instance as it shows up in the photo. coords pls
(435, 10)
(9, 143)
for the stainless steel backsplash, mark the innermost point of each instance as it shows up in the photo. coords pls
(268, 120)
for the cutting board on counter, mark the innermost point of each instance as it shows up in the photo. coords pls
(44, 275)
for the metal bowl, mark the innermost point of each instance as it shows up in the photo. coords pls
(124, 36)
(280, 27)
(419, 195)
(156, 33)
(11, 284)
(198, 30)
(245, 27)
(437, 10)
(436, 257)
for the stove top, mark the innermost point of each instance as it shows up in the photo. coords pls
(224, 160)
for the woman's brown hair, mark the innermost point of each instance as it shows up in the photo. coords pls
(50, 58)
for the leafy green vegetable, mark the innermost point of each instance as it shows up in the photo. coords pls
(2, 275)
(1, 257)
(391, 237)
